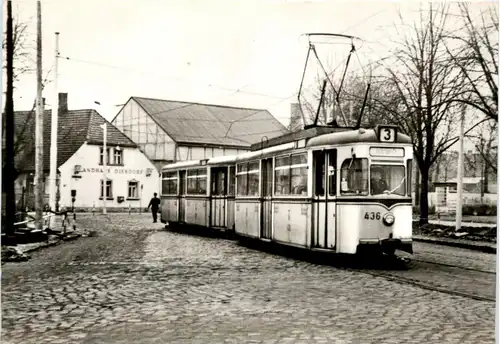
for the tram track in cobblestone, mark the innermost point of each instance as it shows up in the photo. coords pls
(426, 286)
(452, 265)
(421, 273)
(445, 278)
(408, 265)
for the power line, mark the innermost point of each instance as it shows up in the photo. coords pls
(223, 88)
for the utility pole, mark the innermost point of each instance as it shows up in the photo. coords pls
(460, 170)
(104, 166)
(53, 133)
(9, 175)
(39, 180)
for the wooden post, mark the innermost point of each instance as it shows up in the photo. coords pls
(53, 134)
(39, 177)
(460, 171)
(9, 175)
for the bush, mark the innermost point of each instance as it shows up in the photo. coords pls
(467, 209)
(416, 210)
(479, 209)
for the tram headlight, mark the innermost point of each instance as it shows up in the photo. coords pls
(388, 219)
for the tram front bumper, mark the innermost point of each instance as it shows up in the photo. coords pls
(390, 244)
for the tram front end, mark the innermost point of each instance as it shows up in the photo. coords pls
(375, 203)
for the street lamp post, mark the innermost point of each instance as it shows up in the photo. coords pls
(104, 166)
(104, 184)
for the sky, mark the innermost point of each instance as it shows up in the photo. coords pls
(229, 52)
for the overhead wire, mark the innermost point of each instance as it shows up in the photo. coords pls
(215, 86)
(245, 118)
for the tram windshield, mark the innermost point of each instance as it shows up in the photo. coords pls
(354, 177)
(387, 179)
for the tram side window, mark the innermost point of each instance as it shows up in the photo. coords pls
(282, 176)
(232, 180)
(247, 179)
(319, 158)
(253, 179)
(219, 182)
(332, 174)
(409, 173)
(291, 175)
(241, 179)
(197, 182)
(169, 183)
(299, 174)
(354, 177)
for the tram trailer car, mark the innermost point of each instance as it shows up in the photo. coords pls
(320, 193)
(199, 193)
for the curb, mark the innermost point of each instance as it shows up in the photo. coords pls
(55, 242)
(482, 247)
(36, 248)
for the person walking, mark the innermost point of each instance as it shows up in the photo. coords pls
(155, 205)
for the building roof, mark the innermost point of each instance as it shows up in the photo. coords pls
(195, 123)
(75, 128)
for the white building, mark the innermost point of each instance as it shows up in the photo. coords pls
(170, 131)
(131, 177)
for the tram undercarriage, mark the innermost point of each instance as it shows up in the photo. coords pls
(387, 246)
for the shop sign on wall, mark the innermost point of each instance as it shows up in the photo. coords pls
(112, 170)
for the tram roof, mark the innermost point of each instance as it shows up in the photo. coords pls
(295, 136)
(180, 164)
(218, 160)
(363, 135)
(328, 135)
(221, 160)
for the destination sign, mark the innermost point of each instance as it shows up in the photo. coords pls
(387, 152)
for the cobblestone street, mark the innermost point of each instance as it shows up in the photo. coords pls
(133, 282)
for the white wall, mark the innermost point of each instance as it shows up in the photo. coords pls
(88, 186)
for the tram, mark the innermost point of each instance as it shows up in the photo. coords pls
(342, 191)
(326, 187)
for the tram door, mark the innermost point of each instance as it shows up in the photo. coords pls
(182, 194)
(267, 189)
(219, 192)
(325, 186)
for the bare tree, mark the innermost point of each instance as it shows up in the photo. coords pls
(24, 136)
(420, 88)
(351, 99)
(485, 160)
(476, 56)
(484, 139)
(23, 49)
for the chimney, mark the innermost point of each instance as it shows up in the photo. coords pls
(63, 103)
(295, 117)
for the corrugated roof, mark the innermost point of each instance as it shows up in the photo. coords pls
(75, 127)
(211, 124)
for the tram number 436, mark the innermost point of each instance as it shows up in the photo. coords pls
(372, 216)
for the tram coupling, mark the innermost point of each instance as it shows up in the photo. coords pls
(390, 245)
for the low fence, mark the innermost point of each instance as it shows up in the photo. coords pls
(50, 220)
(469, 198)
(473, 203)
